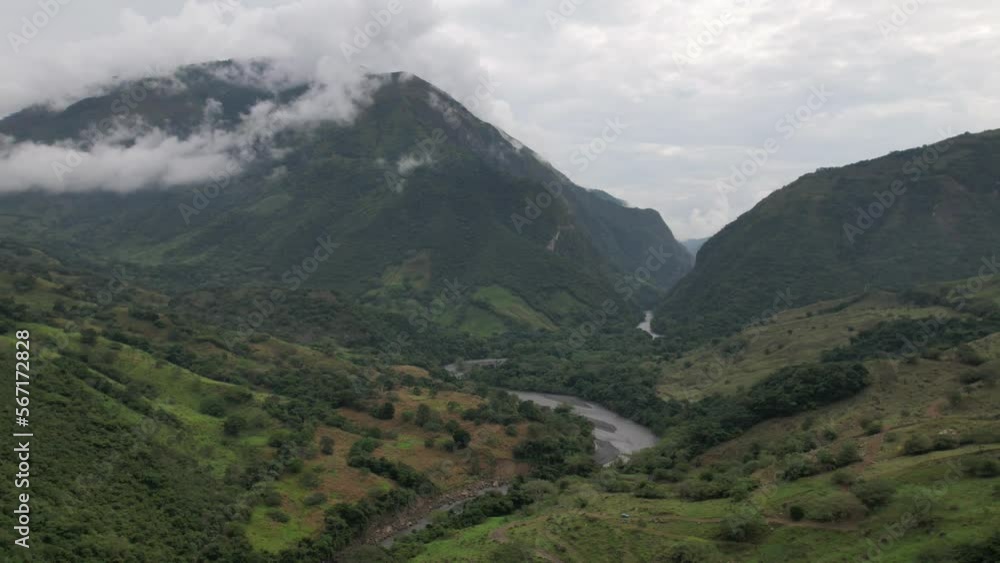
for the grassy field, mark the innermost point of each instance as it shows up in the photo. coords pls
(505, 304)
(585, 524)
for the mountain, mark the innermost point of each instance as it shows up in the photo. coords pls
(916, 216)
(413, 199)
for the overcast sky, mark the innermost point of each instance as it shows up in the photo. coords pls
(689, 86)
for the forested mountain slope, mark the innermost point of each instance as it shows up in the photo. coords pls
(412, 197)
(915, 216)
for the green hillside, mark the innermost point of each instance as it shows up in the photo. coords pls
(915, 216)
(763, 461)
(154, 440)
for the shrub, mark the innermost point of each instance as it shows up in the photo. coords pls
(848, 453)
(423, 415)
(309, 480)
(872, 427)
(538, 489)
(969, 356)
(797, 467)
(699, 489)
(610, 482)
(326, 445)
(462, 438)
(917, 444)
(945, 442)
(981, 466)
(843, 478)
(385, 412)
(690, 552)
(743, 526)
(213, 406)
(271, 497)
(648, 490)
(874, 494)
(233, 425)
(665, 475)
(834, 508)
(278, 516)
(826, 459)
(796, 513)
(88, 337)
(314, 499)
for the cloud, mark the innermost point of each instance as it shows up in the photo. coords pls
(132, 155)
(153, 158)
(899, 75)
(297, 39)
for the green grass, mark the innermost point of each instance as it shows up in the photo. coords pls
(471, 545)
(264, 534)
(478, 322)
(505, 304)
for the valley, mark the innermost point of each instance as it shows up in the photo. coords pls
(367, 349)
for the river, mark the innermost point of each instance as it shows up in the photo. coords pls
(614, 436)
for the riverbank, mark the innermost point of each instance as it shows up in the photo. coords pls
(615, 437)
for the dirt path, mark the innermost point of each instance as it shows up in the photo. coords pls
(934, 409)
(830, 526)
(873, 448)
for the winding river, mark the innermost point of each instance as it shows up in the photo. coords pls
(614, 436)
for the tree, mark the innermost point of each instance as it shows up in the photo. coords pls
(213, 406)
(326, 445)
(88, 336)
(423, 415)
(462, 438)
(874, 494)
(848, 454)
(233, 425)
(796, 513)
(386, 412)
(337, 528)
